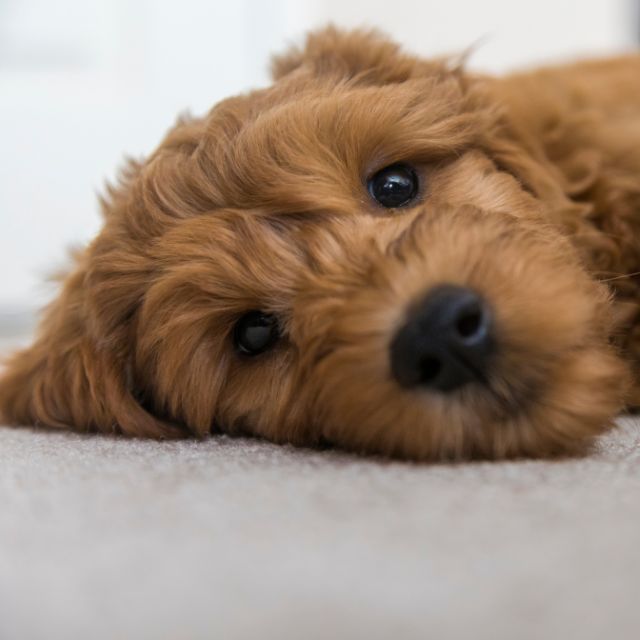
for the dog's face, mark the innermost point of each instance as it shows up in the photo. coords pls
(350, 256)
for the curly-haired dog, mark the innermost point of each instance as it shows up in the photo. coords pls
(379, 252)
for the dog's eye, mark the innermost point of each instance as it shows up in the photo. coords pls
(394, 186)
(255, 332)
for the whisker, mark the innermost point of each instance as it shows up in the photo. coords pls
(624, 275)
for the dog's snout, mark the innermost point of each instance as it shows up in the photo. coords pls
(446, 343)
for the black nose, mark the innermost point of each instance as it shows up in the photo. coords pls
(446, 343)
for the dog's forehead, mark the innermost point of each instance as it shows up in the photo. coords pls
(285, 117)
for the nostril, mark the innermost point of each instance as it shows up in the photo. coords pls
(469, 323)
(429, 369)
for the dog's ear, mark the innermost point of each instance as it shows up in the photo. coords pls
(564, 182)
(71, 378)
(347, 54)
(77, 373)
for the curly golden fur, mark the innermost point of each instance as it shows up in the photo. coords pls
(530, 196)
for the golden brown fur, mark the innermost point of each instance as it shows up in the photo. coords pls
(531, 196)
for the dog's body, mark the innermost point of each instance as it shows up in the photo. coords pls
(379, 252)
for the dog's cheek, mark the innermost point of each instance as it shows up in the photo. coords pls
(579, 403)
(261, 397)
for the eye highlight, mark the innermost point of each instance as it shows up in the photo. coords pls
(255, 332)
(394, 186)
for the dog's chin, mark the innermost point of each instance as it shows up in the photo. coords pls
(558, 414)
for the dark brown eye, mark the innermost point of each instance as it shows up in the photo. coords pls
(394, 186)
(255, 332)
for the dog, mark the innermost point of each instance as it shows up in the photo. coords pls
(380, 253)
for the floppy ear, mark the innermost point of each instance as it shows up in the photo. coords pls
(591, 198)
(71, 378)
(565, 168)
(78, 372)
(366, 53)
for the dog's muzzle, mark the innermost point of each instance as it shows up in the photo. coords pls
(446, 343)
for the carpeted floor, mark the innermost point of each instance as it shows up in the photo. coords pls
(106, 538)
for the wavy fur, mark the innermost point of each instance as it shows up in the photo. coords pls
(531, 195)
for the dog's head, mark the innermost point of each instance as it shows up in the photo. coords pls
(360, 254)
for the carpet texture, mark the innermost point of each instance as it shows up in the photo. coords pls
(230, 538)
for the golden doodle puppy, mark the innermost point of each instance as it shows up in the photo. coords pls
(378, 252)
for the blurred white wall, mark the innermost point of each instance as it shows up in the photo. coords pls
(83, 82)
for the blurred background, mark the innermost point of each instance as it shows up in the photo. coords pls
(84, 82)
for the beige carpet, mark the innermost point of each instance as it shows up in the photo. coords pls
(108, 538)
